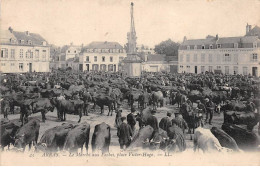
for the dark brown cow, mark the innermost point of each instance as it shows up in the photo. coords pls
(141, 137)
(8, 131)
(101, 138)
(77, 137)
(54, 138)
(224, 139)
(27, 134)
(246, 140)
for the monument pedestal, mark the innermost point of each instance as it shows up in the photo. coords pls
(133, 65)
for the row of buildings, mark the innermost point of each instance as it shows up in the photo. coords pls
(29, 52)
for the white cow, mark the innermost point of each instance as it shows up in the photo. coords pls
(207, 142)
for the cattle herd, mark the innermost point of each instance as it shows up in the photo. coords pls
(197, 98)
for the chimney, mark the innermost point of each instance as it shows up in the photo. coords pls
(10, 29)
(27, 33)
(216, 36)
(184, 39)
(248, 28)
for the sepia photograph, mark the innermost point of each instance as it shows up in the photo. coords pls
(130, 82)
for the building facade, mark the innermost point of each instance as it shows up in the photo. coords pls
(228, 55)
(101, 56)
(23, 52)
(160, 63)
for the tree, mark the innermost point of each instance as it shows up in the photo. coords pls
(167, 47)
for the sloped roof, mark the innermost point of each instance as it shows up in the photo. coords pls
(156, 57)
(35, 38)
(5, 36)
(223, 40)
(104, 45)
(254, 32)
(199, 41)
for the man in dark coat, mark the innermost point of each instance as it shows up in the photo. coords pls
(210, 110)
(180, 122)
(153, 122)
(131, 119)
(124, 133)
(165, 122)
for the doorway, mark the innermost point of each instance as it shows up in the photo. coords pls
(254, 71)
(30, 67)
(196, 69)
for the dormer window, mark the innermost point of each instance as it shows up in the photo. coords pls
(21, 41)
(188, 47)
(255, 45)
(211, 46)
(218, 45)
(195, 47)
(236, 45)
(29, 42)
(203, 47)
(44, 43)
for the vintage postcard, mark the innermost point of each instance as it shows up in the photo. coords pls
(130, 83)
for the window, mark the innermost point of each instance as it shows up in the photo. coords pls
(236, 45)
(29, 54)
(12, 64)
(181, 58)
(195, 58)
(202, 69)
(111, 58)
(4, 53)
(2, 64)
(235, 57)
(95, 58)
(218, 58)
(211, 46)
(210, 68)
(227, 58)
(44, 55)
(75, 51)
(218, 67)
(218, 45)
(255, 45)
(254, 57)
(244, 70)
(87, 58)
(21, 41)
(68, 51)
(103, 59)
(202, 57)
(29, 42)
(44, 43)
(21, 53)
(195, 47)
(226, 69)
(21, 66)
(203, 47)
(36, 53)
(235, 69)
(188, 47)
(187, 58)
(210, 57)
(12, 53)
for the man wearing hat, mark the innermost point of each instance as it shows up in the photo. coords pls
(124, 133)
(131, 119)
(210, 110)
(165, 122)
(118, 120)
(201, 107)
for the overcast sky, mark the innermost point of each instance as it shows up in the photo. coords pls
(82, 21)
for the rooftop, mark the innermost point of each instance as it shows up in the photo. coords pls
(103, 45)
